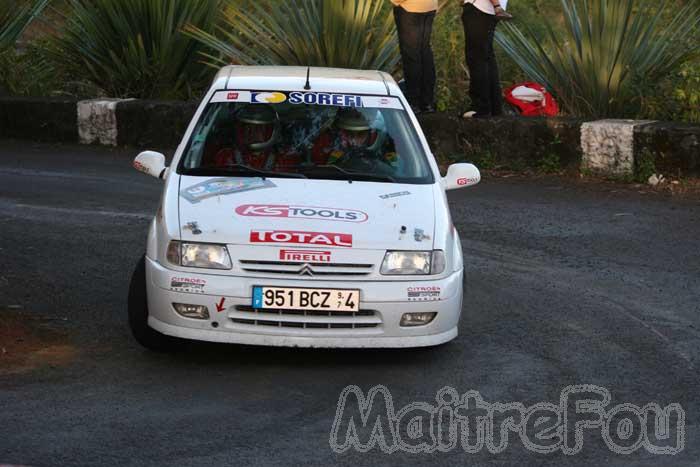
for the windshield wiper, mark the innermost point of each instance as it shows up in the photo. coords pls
(240, 170)
(351, 176)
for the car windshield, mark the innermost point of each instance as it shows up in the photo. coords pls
(306, 135)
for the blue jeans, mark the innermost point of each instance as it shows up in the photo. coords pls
(414, 30)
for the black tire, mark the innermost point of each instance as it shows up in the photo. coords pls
(138, 315)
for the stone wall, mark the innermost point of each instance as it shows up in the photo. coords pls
(153, 124)
(39, 119)
(674, 147)
(511, 142)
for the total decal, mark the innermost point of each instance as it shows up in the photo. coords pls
(306, 256)
(187, 284)
(423, 294)
(301, 212)
(301, 238)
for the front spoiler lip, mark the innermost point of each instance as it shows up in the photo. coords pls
(303, 342)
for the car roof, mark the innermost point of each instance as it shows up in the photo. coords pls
(293, 78)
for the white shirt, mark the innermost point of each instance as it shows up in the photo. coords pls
(485, 5)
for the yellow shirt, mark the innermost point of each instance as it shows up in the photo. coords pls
(417, 6)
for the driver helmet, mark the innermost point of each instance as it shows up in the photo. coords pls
(257, 127)
(354, 129)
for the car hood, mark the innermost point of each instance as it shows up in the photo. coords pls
(307, 213)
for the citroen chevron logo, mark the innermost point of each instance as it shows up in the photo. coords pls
(306, 270)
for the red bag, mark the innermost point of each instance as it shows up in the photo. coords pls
(531, 100)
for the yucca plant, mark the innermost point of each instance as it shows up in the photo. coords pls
(16, 66)
(15, 16)
(339, 33)
(606, 46)
(135, 48)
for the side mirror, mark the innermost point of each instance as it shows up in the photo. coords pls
(461, 176)
(151, 163)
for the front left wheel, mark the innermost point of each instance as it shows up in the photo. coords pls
(138, 315)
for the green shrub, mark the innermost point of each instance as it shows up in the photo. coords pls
(339, 33)
(549, 163)
(645, 166)
(686, 93)
(591, 64)
(448, 46)
(25, 73)
(676, 97)
(484, 160)
(135, 48)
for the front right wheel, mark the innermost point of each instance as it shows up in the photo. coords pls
(138, 315)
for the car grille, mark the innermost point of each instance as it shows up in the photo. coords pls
(305, 269)
(247, 315)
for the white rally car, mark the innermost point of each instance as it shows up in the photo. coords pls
(303, 208)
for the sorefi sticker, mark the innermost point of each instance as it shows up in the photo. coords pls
(325, 98)
(223, 186)
(309, 98)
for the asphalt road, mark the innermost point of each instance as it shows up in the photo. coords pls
(565, 285)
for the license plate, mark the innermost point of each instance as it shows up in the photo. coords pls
(277, 298)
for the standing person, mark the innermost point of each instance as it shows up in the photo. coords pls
(414, 23)
(480, 18)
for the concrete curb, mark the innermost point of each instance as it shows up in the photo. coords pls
(97, 122)
(607, 147)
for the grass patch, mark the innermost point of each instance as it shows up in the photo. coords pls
(485, 160)
(549, 163)
(644, 166)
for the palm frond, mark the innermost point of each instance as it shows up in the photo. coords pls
(15, 18)
(591, 65)
(135, 48)
(339, 33)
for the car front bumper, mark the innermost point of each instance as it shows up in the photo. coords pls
(382, 304)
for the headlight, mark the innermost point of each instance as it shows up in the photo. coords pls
(413, 263)
(199, 255)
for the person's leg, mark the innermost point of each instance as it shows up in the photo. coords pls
(428, 65)
(495, 92)
(409, 43)
(476, 34)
